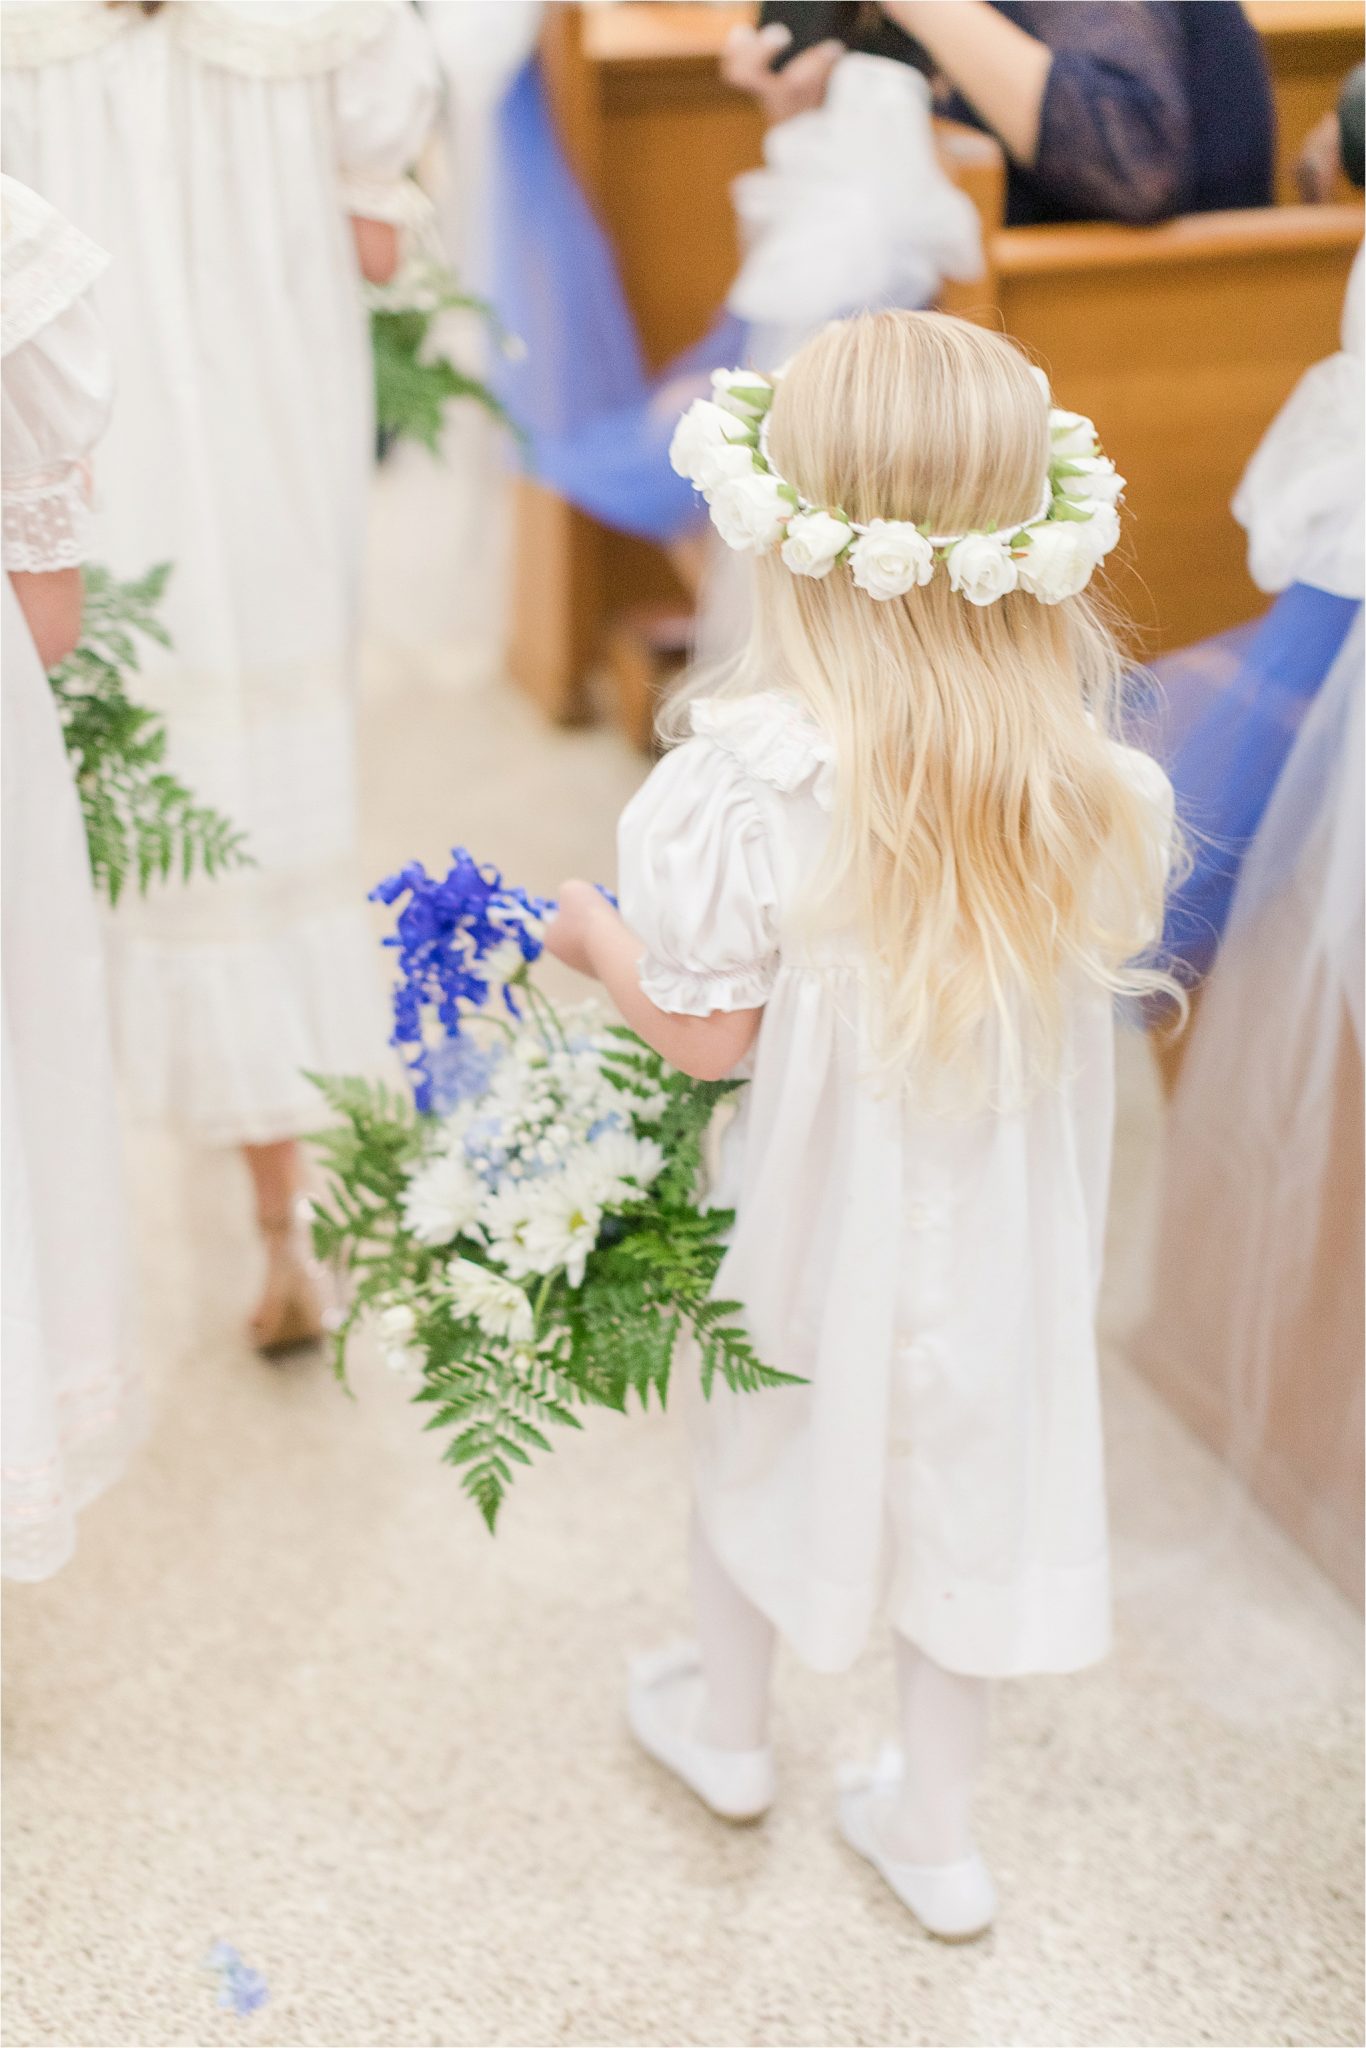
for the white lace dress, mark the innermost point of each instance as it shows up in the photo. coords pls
(71, 1405)
(933, 1280)
(216, 150)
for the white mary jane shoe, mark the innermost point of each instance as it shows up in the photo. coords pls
(663, 1700)
(954, 1901)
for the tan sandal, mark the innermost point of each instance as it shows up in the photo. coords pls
(291, 1313)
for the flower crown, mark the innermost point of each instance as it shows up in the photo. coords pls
(721, 446)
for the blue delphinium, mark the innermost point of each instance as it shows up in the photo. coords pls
(241, 1989)
(446, 933)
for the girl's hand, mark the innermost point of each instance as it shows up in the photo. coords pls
(570, 934)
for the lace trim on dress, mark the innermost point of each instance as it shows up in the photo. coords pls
(50, 31)
(773, 739)
(46, 519)
(279, 38)
(46, 264)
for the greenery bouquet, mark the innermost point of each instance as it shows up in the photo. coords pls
(526, 1237)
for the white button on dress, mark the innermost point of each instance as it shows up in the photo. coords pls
(932, 1280)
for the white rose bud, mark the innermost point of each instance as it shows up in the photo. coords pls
(750, 512)
(1096, 478)
(1097, 527)
(742, 392)
(891, 558)
(981, 568)
(1071, 434)
(815, 541)
(703, 431)
(1058, 563)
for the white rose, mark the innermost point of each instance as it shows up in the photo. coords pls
(1072, 435)
(1096, 477)
(742, 392)
(891, 558)
(1041, 379)
(750, 512)
(1099, 531)
(441, 1199)
(720, 463)
(702, 433)
(499, 1308)
(1058, 563)
(981, 568)
(815, 540)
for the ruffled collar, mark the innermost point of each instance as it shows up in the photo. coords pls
(773, 738)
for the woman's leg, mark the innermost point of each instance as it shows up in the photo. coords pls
(275, 1177)
(289, 1312)
(736, 1643)
(943, 1736)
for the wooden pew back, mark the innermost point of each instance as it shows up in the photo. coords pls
(1181, 341)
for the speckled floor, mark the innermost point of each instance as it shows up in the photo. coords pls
(289, 1695)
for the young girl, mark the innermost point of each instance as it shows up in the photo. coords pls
(897, 870)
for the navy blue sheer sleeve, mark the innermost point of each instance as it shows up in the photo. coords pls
(1152, 108)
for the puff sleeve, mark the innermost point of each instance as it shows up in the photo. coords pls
(697, 883)
(385, 99)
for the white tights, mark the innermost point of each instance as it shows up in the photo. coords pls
(943, 1715)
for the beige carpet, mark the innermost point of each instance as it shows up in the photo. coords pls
(289, 1695)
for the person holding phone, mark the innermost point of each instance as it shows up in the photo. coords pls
(1125, 110)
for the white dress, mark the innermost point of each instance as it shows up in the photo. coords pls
(71, 1405)
(934, 1280)
(216, 150)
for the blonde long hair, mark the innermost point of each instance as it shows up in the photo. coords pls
(986, 834)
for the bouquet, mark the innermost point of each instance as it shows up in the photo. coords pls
(526, 1237)
(139, 819)
(414, 382)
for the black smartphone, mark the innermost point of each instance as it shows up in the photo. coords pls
(857, 26)
(809, 22)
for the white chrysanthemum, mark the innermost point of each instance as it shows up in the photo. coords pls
(981, 568)
(891, 558)
(564, 1217)
(499, 1308)
(502, 1213)
(815, 541)
(441, 1199)
(622, 1167)
(501, 962)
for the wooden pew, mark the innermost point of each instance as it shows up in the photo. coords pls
(1181, 339)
